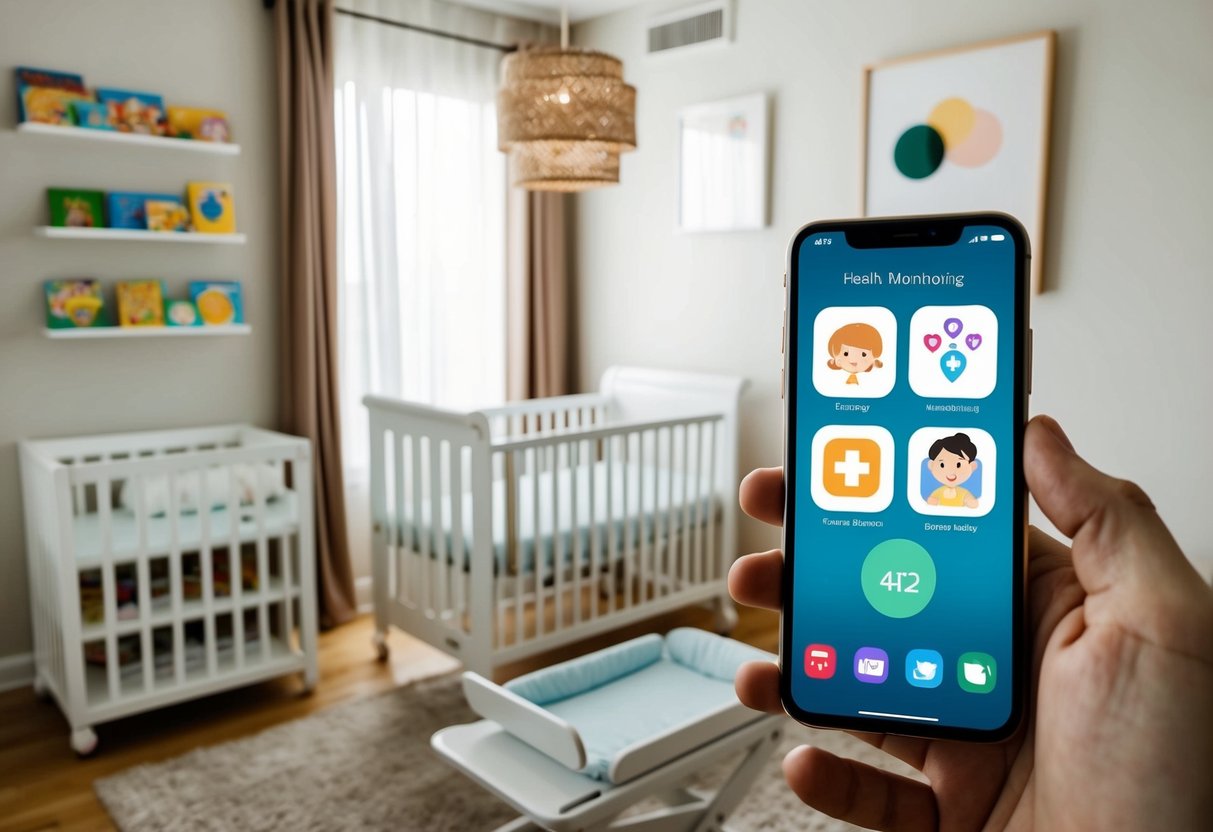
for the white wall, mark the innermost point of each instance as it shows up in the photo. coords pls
(220, 54)
(1123, 334)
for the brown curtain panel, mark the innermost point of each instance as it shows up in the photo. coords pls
(303, 33)
(537, 306)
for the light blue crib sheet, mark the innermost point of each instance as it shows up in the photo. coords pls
(649, 520)
(639, 689)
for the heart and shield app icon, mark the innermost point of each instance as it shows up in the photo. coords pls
(953, 352)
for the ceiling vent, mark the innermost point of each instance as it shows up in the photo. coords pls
(703, 24)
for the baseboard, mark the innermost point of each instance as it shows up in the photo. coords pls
(16, 671)
(363, 594)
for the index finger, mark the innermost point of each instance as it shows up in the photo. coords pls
(761, 495)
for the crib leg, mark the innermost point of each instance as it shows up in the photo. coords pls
(41, 689)
(379, 641)
(726, 615)
(84, 741)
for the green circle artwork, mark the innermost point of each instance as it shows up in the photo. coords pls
(898, 578)
(919, 151)
(964, 135)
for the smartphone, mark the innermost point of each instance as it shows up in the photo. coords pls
(906, 377)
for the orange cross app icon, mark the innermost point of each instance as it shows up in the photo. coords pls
(851, 467)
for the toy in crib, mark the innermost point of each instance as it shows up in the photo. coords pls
(247, 478)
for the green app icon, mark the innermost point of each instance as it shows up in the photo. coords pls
(976, 672)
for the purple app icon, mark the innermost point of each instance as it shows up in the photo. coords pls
(871, 665)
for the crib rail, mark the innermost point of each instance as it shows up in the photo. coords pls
(640, 526)
(545, 416)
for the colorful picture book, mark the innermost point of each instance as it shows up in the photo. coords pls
(198, 123)
(71, 208)
(212, 207)
(166, 215)
(181, 313)
(128, 209)
(134, 112)
(91, 114)
(219, 302)
(71, 304)
(46, 96)
(140, 303)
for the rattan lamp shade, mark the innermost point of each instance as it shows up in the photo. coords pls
(564, 116)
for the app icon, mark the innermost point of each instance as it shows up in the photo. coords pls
(952, 471)
(898, 578)
(820, 661)
(924, 668)
(871, 665)
(976, 672)
(953, 352)
(852, 468)
(854, 351)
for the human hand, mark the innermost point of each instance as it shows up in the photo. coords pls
(1120, 733)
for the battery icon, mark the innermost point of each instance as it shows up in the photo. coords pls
(998, 238)
(984, 237)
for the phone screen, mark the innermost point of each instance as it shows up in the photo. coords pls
(905, 504)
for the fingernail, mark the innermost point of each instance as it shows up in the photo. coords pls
(1054, 428)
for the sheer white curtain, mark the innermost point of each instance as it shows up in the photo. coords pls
(421, 211)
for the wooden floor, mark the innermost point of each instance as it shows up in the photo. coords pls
(43, 785)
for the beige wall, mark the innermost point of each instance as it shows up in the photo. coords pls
(218, 53)
(1123, 336)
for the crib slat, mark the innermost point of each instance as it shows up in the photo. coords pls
(263, 569)
(454, 569)
(143, 579)
(697, 510)
(558, 548)
(684, 538)
(235, 566)
(206, 560)
(418, 540)
(671, 533)
(645, 520)
(437, 566)
(713, 572)
(629, 543)
(286, 553)
(575, 526)
(109, 592)
(612, 529)
(519, 466)
(176, 579)
(538, 551)
(592, 469)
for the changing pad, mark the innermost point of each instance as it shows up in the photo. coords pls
(626, 709)
(663, 490)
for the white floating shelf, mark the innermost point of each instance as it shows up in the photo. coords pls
(147, 331)
(91, 134)
(63, 233)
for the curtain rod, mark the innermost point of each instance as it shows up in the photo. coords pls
(500, 47)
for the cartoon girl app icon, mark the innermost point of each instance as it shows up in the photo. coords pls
(855, 348)
(854, 352)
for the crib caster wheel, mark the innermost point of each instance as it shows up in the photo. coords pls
(726, 617)
(379, 640)
(40, 689)
(84, 741)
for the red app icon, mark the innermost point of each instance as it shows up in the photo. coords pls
(820, 661)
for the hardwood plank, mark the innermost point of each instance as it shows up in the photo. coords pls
(44, 786)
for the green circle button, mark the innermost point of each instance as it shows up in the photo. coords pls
(898, 578)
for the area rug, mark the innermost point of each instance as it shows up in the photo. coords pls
(367, 765)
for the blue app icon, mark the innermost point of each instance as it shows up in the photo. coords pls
(924, 668)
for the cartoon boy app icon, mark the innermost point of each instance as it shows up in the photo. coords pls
(854, 352)
(855, 348)
(953, 460)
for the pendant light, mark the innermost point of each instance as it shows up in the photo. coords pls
(564, 115)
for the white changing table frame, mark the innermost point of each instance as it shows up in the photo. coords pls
(552, 797)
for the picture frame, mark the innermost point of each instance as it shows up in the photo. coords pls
(722, 164)
(962, 129)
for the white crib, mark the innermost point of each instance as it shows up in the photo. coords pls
(165, 566)
(512, 530)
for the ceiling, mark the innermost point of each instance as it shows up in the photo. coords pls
(549, 10)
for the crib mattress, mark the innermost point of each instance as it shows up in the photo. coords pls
(281, 517)
(671, 501)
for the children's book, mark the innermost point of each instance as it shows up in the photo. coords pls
(45, 96)
(91, 114)
(134, 112)
(71, 304)
(164, 215)
(71, 208)
(219, 301)
(212, 207)
(140, 303)
(197, 123)
(181, 313)
(128, 209)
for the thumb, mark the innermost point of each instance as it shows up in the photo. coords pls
(1120, 543)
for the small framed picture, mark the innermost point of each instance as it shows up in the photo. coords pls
(722, 166)
(963, 129)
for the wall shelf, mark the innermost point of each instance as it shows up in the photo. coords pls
(148, 331)
(62, 233)
(90, 134)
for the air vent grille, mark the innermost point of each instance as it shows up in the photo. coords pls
(700, 28)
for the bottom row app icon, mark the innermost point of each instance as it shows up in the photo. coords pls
(975, 672)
